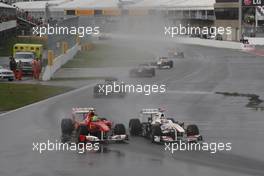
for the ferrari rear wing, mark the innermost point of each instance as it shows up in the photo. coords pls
(82, 110)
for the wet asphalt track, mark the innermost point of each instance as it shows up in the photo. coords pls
(190, 98)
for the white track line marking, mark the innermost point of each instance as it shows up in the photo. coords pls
(189, 92)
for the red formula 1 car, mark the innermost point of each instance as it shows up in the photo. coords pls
(100, 130)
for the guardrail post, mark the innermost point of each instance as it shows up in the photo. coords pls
(78, 40)
(64, 47)
(50, 57)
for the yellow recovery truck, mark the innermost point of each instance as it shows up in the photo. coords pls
(26, 53)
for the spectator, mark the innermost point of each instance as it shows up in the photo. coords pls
(38, 68)
(19, 71)
(34, 69)
(12, 64)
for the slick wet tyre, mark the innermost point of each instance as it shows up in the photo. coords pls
(192, 130)
(134, 127)
(67, 126)
(153, 72)
(119, 129)
(171, 64)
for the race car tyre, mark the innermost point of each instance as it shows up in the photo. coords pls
(171, 64)
(156, 131)
(192, 130)
(134, 127)
(153, 72)
(119, 129)
(67, 126)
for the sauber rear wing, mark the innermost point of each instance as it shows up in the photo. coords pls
(152, 111)
(149, 111)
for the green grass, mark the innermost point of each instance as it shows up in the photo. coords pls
(7, 48)
(106, 55)
(13, 96)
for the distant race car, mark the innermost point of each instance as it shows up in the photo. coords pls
(102, 36)
(163, 63)
(6, 74)
(160, 129)
(102, 130)
(175, 54)
(143, 70)
(100, 89)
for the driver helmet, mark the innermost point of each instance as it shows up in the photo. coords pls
(162, 118)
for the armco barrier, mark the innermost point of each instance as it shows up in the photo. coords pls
(255, 40)
(250, 48)
(58, 62)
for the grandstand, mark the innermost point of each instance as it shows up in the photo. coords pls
(38, 9)
(220, 13)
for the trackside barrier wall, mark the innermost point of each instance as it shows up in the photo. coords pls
(210, 43)
(255, 40)
(59, 61)
(253, 47)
